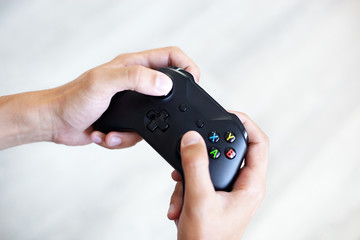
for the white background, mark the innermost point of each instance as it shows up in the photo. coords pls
(293, 66)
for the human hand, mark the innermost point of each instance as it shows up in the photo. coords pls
(65, 114)
(202, 212)
(81, 102)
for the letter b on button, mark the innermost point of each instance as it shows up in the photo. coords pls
(230, 153)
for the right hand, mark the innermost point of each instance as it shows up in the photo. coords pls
(202, 212)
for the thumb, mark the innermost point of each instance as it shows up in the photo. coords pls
(195, 163)
(138, 78)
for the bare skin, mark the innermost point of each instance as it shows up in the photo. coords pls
(202, 212)
(65, 115)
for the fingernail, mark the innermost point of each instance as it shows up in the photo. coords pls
(171, 209)
(114, 140)
(163, 83)
(96, 138)
(190, 138)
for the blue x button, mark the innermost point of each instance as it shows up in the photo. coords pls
(214, 137)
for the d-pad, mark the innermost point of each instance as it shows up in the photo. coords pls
(157, 120)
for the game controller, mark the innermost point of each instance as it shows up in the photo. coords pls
(162, 121)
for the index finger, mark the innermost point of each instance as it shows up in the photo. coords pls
(157, 58)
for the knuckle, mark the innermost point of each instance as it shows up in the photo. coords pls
(266, 139)
(197, 72)
(177, 194)
(173, 197)
(194, 70)
(93, 76)
(201, 208)
(261, 193)
(193, 160)
(174, 49)
(134, 75)
(244, 116)
(256, 192)
(120, 58)
(192, 163)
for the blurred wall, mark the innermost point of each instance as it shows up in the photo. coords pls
(292, 66)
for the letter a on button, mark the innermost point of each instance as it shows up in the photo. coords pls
(214, 153)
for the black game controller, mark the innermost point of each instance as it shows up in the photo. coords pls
(162, 121)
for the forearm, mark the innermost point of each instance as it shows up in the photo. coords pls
(24, 118)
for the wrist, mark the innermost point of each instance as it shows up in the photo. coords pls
(25, 118)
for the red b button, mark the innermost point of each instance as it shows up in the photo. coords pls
(230, 153)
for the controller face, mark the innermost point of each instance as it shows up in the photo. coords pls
(162, 121)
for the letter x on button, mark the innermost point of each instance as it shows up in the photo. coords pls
(214, 137)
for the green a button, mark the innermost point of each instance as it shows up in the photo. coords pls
(214, 153)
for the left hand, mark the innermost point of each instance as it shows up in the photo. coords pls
(86, 98)
(65, 114)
